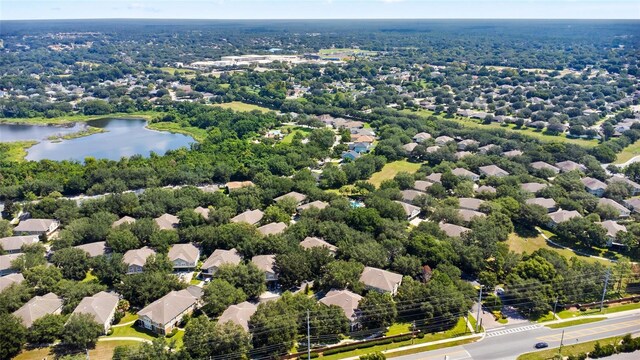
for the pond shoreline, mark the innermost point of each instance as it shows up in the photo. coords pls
(66, 120)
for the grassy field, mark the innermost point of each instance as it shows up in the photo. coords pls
(431, 347)
(77, 118)
(628, 153)
(177, 71)
(399, 328)
(520, 245)
(102, 351)
(240, 106)
(128, 317)
(132, 331)
(566, 314)
(575, 322)
(459, 330)
(196, 133)
(568, 350)
(472, 123)
(16, 150)
(292, 132)
(392, 169)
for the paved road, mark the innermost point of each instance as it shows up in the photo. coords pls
(508, 343)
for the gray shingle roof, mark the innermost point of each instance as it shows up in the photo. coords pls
(167, 221)
(14, 243)
(8, 280)
(294, 195)
(314, 204)
(100, 306)
(265, 263)
(137, 256)
(250, 216)
(123, 220)
(453, 230)
(238, 314)
(94, 249)
(272, 228)
(163, 310)
(311, 242)
(186, 252)
(38, 307)
(221, 257)
(345, 299)
(34, 225)
(380, 279)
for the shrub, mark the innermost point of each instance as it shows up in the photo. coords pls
(172, 333)
(420, 335)
(110, 332)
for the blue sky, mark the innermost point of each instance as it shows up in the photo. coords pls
(318, 9)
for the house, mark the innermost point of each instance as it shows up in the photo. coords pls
(633, 204)
(123, 220)
(5, 264)
(453, 230)
(38, 307)
(488, 148)
(420, 137)
(512, 153)
(348, 301)
(235, 185)
(435, 177)
(380, 280)
(461, 172)
(634, 186)
(470, 203)
(410, 210)
(541, 165)
(350, 155)
(409, 147)
(238, 314)
(444, 140)
(311, 242)
(422, 185)
(167, 221)
(566, 166)
(594, 186)
(464, 144)
(293, 195)
(462, 154)
(136, 259)
(36, 227)
(204, 212)
(612, 228)
(622, 211)
(250, 217)
(409, 195)
(218, 258)
(102, 306)
(164, 314)
(485, 189)
(266, 263)
(432, 149)
(272, 228)
(532, 187)
(360, 147)
(561, 216)
(184, 257)
(468, 215)
(492, 170)
(14, 244)
(314, 204)
(548, 204)
(362, 138)
(94, 249)
(6, 281)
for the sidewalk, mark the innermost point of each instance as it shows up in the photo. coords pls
(608, 316)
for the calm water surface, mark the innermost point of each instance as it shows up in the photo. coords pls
(124, 137)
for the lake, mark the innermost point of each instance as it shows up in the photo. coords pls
(124, 137)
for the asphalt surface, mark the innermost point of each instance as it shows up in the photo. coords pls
(508, 343)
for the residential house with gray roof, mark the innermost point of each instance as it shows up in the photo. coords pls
(164, 314)
(101, 306)
(136, 259)
(38, 307)
(239, 314)
(36, 227)
(184, 257)
(250, 217)
(14, 244)
(380, 280)
(218, 258)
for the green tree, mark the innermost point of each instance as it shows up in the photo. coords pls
(32, 256)
(43, 278)
(5, 228)
(74, 263)
(277, 328)
(274, 213)
(220, 294)
(13, 336)
(142, 289)
(163, 239)
(109, 269)
(374, 356)
(122, 240)
(243, 276)
(204, 339)
(341, 275)
(14, 296)
(378, 310)
(46, 329)
(81, 331)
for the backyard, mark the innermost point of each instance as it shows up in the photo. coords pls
(392, 169)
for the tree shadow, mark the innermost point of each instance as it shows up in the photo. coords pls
(525, 232)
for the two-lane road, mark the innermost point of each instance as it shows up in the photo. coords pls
(508, 343)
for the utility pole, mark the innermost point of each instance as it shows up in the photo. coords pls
(561, 341)
(308, 338)
(554, 307)
(604, 290)
(87, 351)
(479, 308)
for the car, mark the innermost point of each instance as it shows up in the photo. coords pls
(542, 345)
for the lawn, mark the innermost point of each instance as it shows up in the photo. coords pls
(177, 71)
(566, 314)
(240, 106)
(472, 123)
(132, 331)
(293, 130)
(89, 277)
(568, 350)
(459, 330)
(575, 322)
(102, 351)
(392, 169)
(196, 133)
(520, 244)
(399, 328)
(430, 348)
(628, 153)
(16, 150)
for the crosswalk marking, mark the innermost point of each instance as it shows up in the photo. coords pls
(512, 330)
